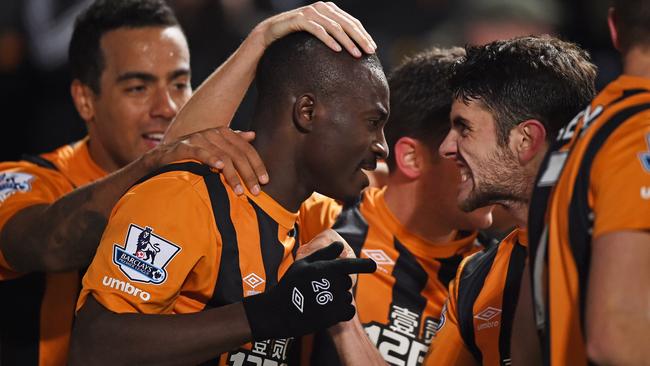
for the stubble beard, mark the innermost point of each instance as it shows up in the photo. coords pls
(503, 181)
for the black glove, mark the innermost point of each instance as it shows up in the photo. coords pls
(312, 295)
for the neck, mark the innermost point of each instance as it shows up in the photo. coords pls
(519, 211)
(99, 155)
(636, 62)
(279, 157)
(416, 215)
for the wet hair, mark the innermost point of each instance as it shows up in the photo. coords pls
(420, 98)
(300, 63)
(536, 77)
(632, 22)
(85, 54)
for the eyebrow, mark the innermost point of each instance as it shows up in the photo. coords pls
(383, 113)
(458, 120)
(147, 77)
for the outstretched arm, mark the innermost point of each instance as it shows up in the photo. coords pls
(64, 235)
(215, 102)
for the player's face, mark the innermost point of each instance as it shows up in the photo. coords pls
(146, 79)
(441, 178)
(349, 137)
(490, 173)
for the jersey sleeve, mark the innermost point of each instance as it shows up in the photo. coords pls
(316, 214)
(23, 185)
(448, 347)
(159, 240)
(620, 179)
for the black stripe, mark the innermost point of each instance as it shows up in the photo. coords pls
(628, 93)
(192, 167)
(410, 280)
(40, 161)
(510, 297)
(470, 285)
(20, 315)
(44, 163)
(352, 227)
(229, 287)
(272, 249)
(537, 222)
(448, 268)
(580, 224)
(295, 233)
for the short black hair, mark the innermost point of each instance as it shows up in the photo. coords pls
(420, 98)
(85, 53)
(632, 23)
(300, 62)
(535, 77)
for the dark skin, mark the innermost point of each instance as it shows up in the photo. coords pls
(205, 329)
(63, 236)
(338, 134)
(306, 126)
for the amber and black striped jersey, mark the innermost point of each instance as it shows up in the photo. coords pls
(182, 241)
(36, 311)
(399, 305)
(477, 321)
(594, 180)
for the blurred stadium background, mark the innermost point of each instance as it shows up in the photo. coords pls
(37, 111)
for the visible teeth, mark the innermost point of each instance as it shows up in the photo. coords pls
(154, 136)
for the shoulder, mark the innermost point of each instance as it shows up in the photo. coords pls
(23, 177)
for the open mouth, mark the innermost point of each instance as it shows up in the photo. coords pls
(368, 165)
(465, 172)
(154, 137)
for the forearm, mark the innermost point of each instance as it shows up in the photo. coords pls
(618, 301)
(215, 102)
(353, 345)
(103, 337)
(524, 345)
(63, 236)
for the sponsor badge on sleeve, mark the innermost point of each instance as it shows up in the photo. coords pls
(145, 255)
(11, 183)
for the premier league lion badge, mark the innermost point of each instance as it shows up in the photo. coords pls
(145, 255)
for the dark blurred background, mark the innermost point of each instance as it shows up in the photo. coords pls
(38, 115)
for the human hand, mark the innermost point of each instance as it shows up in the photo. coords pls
(220, 148)
(324, 20)
(313, 294)
(324, 239)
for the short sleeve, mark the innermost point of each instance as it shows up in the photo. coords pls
(159, 234)
(21, 186)
(316, 214)
(620, 179)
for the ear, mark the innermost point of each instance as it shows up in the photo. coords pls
(408, 157)
(83, 98)
(613, 32)
(303, 112)
(529, 138)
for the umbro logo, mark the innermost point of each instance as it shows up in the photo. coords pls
(297, 299)
(253, 280)
(488, 313)
(379, 256)
(486, 316)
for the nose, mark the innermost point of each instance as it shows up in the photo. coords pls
(164, 105)
(449, 146)
(380, 147)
